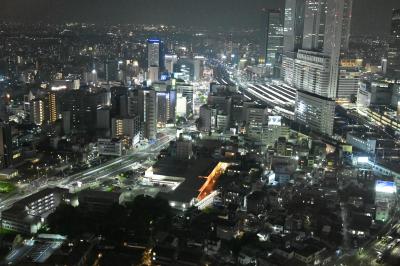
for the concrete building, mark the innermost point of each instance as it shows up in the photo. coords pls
(126, 128)
(155, 56)
(374, 93)
(187, 91)
(153, 73)
(147, 110)
(6, 146)
(349, 78)
(170, 61)
(110, 147)
(315, 111)
(311, 73)
(184, 150)
(255, 119)
(28, 214)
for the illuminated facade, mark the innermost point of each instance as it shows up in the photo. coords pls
(37, 113)
(315, 111)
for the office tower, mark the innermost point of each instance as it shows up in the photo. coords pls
(5, 145)
(103, 118)
(311, 73)
(119, 101)
(292, 37)
(170, 61)
(208, 118)
(349, 77)
(315, 111)
(147, 110)
(166, 106)
(293, 25)
(395, 27)
(273, 36)
(346, 25)
(314, 23)
(187, 91)
(155, 53)
(205, 118)
(153, 73)
(37, 112)
(332, 41)
(181, 105)
(133, 102)
(255, 120)
(394, 46)
(316, 65)
(126, 128)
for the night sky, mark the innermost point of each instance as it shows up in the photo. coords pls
(369, 16)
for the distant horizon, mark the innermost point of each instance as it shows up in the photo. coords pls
(370, 17)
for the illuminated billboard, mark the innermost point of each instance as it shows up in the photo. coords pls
(388, 187)
(274, 120)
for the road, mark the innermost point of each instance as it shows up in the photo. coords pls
(96, 174)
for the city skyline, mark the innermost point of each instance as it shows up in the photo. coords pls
(369, 16)
(250, 133)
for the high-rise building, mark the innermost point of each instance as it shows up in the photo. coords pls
(187, 91)
(394, 47)
(315, 111)
(322, 38)
(6, 148)
(166, 106)
(51, 107)
(311, 73)
(292, 37)
(255, 120)
(273, 36)
(147, 110)
(153, 73)
(314, 69)
(349, 77)
(155, 53)
(170, 61)
(346, 25)
(395, 27)
(293, 25)
(126, 128)
(37, 112)
(184, 150)
(103, 118)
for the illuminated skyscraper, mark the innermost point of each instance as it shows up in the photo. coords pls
(274, 35)
(293, 25)
(37, 113)
(147, 110)
(394, 47)
(51, 107)
(155, 53)
(346, 25)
